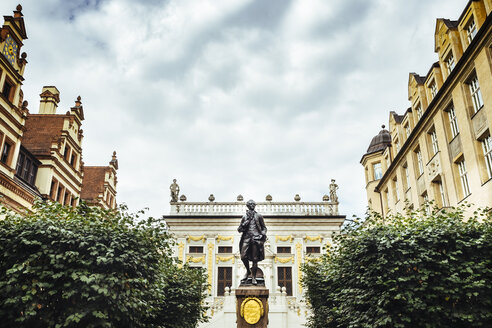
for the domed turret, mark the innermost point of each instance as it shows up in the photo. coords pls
(380, 141)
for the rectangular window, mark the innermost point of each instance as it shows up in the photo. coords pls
(196, 249)
(72, 159)
(20, 164)
(420, 162)
(476, 95)
(397, 144)
(433, 89)
(285, 279)
(440, 191)
(59, 193)
(397, 190)
(388, 163)
(435, 146)
(5, 156)
(407, 130)
(378, 171)
(8, 90)
(419, 111)
(463, 178)
(453, 122)
(487, 154)
(225, 249)
(425, 199)
(53, 189)
(26, 169)
(407, 176)
(313, 250)
(66, 199)
(283, 250)
(66, 152)
(450, 62)
(224, 279)
(471, 30)
(32, 175)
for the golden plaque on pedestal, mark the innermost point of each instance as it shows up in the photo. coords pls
(251, 310)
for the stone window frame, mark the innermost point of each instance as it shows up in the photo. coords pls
(192, 249)
(226, 280)
(7, 155)
(419, 160)
(475, 92)
(486, 143)
(377, 168)
(10, 96)
(224, 249)
(450, 61)
(433, 88)
(313, 249)
(463, 177)
(453, 121)
(283, 280)
(284, 250)
(471, 29)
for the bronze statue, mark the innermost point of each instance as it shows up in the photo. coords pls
(252, 239)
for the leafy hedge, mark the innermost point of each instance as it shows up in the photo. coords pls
(88, 267)
(414, 270)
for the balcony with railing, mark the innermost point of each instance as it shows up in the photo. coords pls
(327, 207)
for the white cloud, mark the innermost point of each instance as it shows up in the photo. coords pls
(231, 97)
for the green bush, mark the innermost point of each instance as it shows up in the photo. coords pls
(88, 267)
(414, 270)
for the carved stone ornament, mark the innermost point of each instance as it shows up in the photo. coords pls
(252, 310)
(182, 198)
(297, 197)
(211, 197)
(326, 198)
(240, 198)
(269, 198)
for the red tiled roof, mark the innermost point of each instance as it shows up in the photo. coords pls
(41, 131)
(93, 182)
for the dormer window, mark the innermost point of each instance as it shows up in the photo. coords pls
(419, 111)
(407, 130)
(471, 30)
(433, 89)
(450, 62)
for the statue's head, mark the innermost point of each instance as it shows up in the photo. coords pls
(174, 180)
(251, 204)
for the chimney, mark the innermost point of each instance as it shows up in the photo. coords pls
(50, 97)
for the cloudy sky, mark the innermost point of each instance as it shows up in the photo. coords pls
(250, 97)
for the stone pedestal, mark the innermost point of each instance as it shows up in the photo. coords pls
(252, 306)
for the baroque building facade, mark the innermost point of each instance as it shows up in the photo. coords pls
(41, 154)
(440, 149)
(298, 232)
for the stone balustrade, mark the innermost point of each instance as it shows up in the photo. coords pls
(266, 208)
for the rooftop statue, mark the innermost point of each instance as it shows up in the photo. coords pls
(333, 191)
(252, 241)
(174, 191)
